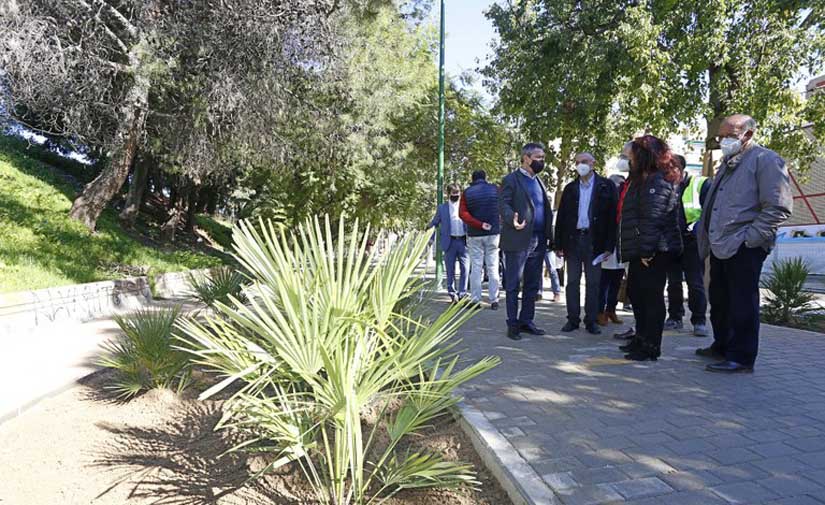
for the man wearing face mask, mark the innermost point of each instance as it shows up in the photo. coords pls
(453, 240)
(585, 231)
(526, 233)
(748, 200)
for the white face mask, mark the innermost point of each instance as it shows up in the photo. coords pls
(730, 146)
(583, 169)
(623, 165)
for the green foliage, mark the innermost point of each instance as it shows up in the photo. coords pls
(144, 356)
(220, 285)
(336, 378)
(219, 231)
(41, 247)
(593, 74)
(787, 300)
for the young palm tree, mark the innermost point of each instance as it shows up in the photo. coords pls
(326, 336)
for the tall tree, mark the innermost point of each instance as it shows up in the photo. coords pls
(603, 70)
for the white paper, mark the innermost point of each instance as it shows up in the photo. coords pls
(601, 258)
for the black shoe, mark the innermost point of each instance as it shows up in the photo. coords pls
(513, 333)
(593, 329)
(494, 306)
(710, 352)
(627, 335)
(729, 367)
(453, 298)
(532, 329)
(539, 297)
(633, 345)
(641, 355)
(569, 327)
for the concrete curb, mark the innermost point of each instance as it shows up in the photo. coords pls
(518, 479)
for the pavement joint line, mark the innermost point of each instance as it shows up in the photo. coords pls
(516, 476)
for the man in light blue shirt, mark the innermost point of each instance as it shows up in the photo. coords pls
(585, 231)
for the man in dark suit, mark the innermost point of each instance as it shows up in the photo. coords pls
(526, 230)
(453, 240)
(585, 231)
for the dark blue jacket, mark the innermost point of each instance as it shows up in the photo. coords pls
(481, 199)
(442, 220)
(515, 197)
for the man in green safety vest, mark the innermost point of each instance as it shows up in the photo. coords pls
(689, 267)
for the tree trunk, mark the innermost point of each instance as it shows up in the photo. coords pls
(137, 188)
(192, 201)
(88, 206)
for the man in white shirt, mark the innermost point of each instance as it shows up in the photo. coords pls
(453, 235)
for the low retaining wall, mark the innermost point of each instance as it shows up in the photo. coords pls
(23, 310)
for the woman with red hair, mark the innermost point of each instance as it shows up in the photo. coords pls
(649, 238)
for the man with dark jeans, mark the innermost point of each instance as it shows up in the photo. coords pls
(749, 199)
(689, 266)
(526, 219)
(585, 230)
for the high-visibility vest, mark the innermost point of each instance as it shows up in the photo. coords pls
(690, 199)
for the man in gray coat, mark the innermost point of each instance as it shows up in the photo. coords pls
(749, 199)
(526, 233)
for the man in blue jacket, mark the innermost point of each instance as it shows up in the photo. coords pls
(479, 210)
(526, 233)
(453, 238)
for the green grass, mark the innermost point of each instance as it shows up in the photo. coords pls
(219, 230)
(41, 247)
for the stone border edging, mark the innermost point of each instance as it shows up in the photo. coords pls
(521, 483)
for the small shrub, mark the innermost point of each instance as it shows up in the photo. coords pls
(220, 285)
(786, 300)
(144, 357)
(339, 374)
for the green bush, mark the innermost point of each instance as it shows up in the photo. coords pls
(786, 300)
(144, 356)
(220, 285)
(338, 374)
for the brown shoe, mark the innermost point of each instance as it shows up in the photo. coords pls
(556, 297)
(602, 319)
(614, 318)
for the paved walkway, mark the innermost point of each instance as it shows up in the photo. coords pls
(602, 430)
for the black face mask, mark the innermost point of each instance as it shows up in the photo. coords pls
(454, 198)
(537, 166)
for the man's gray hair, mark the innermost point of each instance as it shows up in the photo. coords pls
(743, 121)
(589, 156)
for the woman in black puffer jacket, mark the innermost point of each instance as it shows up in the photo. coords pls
(649, 238)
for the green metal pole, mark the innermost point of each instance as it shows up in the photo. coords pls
(439, 266)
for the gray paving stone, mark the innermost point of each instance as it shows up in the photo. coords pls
(639, 488)
(737, 473)
(746, 493)
(693, 498)
(606, 457)
(601, 494)
(795, 500)
(808, 444)
(789, 485)
(734, 455)
(773, 450)
(813, 460)
(598, 475)
(645, 467)
(690, 446)
(692, 481)
(560, 481)
(557, 465)
(785, 465)
(512, 432)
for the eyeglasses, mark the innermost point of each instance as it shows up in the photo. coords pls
(718, 138)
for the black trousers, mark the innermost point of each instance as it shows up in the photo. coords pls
(734, 304)
(609, 289)
(690, 267)
(647, 288)
(579, 260)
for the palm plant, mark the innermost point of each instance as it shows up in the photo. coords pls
(144, 356)
(787, 298)
(219, 285)
(326, 337)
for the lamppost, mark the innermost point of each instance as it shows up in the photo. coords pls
(439, 267)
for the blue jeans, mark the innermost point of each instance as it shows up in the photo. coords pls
(456, 252)
(554, 275)
(523, 272)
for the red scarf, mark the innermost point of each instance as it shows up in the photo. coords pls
(621, 203)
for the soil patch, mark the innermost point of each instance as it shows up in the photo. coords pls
(82, 447)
